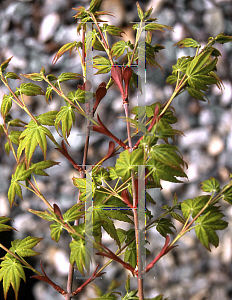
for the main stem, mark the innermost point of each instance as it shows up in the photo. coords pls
(135, 213)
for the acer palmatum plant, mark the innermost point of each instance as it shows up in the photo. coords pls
(146, 156)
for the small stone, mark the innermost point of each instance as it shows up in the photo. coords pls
(178, 32)
(195, 137)
(48, 27)
(214, 21)
(226, 96)
(4, 206)
(206, 117)
(118, 10)
(215, 146)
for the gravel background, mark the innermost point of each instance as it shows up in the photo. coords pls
(32, 31)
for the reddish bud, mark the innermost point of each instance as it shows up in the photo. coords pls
(116, 74)
(57, 211)
(126, 74)
(125, 198)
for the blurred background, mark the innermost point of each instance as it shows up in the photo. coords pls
(32, 32)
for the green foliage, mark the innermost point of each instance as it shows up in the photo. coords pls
(128, 162)
(114, 194)
(66, 117)
(80, 255)
(11, 270)
(5, 227)
(206, 226)
(34, 134)
(11, 273)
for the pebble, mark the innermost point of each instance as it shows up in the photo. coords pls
(214, 21)
(206, 117)
(195, 137)
(215, 145)
(226, 96)
(48, 27)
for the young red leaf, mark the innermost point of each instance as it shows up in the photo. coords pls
(57, 211)
(111, 255)
(164, 251)
(126, 74)
(125, 198)
(100, 93)
(116, 74)
(102, 129)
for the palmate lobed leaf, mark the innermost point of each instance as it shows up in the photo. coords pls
(167, 155)
(67, 47)
(15, 188)
(73, 213)
(194, 206)
(43, 215)
(80, 96)
(164, 226)
(56, 231)
(206, 226)
(47, 118)
(69, 76)
(210, 185)
(128, 162)
(66, 117)
(30, 89)
(164, 172)
(23, 247)
(107, 224)
(198, 62)
(80, 255)
(113, 30)
(6, 105)
(130, 256)
(4, 227)
(86, 187)
(11, 272)
(188, 42)
(33, 135)
(227, 195)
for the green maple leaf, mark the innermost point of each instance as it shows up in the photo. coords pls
(166, 154)
(193, 206)
(11, 272)
(128, 162)
(164, 226)
(206, 226)
(21, 174)
(164, 172)
(65, 116)
(56, 231)
(73, 213)
(101, 215)
(118, 48)
(47, 118)
(23, 247)
(34, 134)
(188, 42)
(4, 227)
(6, 105)
(210, 185)
(131, 256)
(80, 255)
